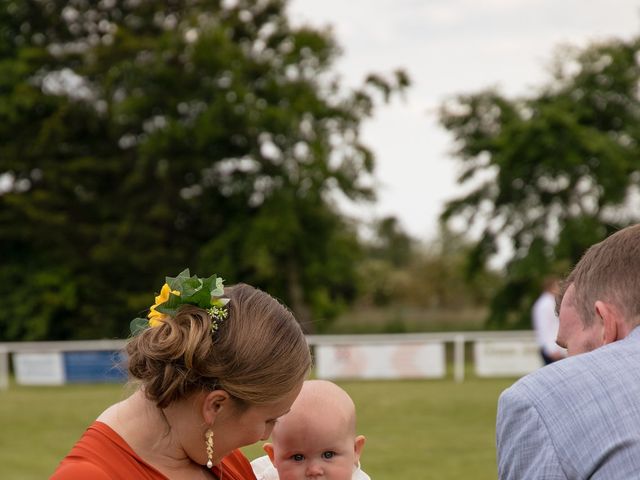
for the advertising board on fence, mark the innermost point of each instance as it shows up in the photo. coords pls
(39, 368)
(501, 358)
(58, 368)
(380, 361)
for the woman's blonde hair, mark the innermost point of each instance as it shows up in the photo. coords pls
(257, 355)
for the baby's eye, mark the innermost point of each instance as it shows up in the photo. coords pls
(297, 457)
(328, 454)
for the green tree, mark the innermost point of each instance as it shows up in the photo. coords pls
(439, 275)
(391, 242)
(550, 173)
(141, 137)
(430, 275)
(386, 253)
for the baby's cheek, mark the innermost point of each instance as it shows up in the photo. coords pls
(290, 472)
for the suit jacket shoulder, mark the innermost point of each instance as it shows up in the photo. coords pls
(579, 418)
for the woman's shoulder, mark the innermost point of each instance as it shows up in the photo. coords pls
(86, 460)
(102, 453)
(79, 469)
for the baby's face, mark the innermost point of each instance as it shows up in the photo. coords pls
(325, 452)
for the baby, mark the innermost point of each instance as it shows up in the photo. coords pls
(316, 439)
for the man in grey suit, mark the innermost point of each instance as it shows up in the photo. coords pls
(579, 418)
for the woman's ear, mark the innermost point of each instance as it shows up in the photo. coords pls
(213, 404)
(358, 446)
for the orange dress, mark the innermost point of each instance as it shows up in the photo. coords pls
(102, 454)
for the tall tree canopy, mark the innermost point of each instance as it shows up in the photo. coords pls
(550, 173)
(141, 137)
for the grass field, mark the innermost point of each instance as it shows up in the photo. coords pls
(421, 430)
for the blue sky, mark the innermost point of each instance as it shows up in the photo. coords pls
(448, 47)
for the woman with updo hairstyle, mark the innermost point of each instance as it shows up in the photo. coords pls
(214, 368)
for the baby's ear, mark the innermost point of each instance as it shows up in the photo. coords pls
(268, 447)
(358, 445)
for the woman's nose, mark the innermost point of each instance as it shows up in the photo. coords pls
(267, 432)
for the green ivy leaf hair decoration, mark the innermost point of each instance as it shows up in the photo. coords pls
(206, 293)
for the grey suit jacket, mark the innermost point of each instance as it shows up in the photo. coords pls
(575, 419)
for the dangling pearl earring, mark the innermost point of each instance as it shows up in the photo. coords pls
(209, 441)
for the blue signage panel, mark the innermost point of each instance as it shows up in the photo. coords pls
(96, 366)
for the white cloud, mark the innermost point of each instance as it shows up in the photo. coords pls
(448, 47)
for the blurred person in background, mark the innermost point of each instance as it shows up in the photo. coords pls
(545, 321)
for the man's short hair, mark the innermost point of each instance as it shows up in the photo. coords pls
(609, 271)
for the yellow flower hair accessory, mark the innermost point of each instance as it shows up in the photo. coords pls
(155, 317)
(206, 293)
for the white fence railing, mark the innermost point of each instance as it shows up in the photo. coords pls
(457, 339)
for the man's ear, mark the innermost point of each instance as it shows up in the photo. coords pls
(214, 402)
(358, 446)
(268, 447)
(611, 327)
